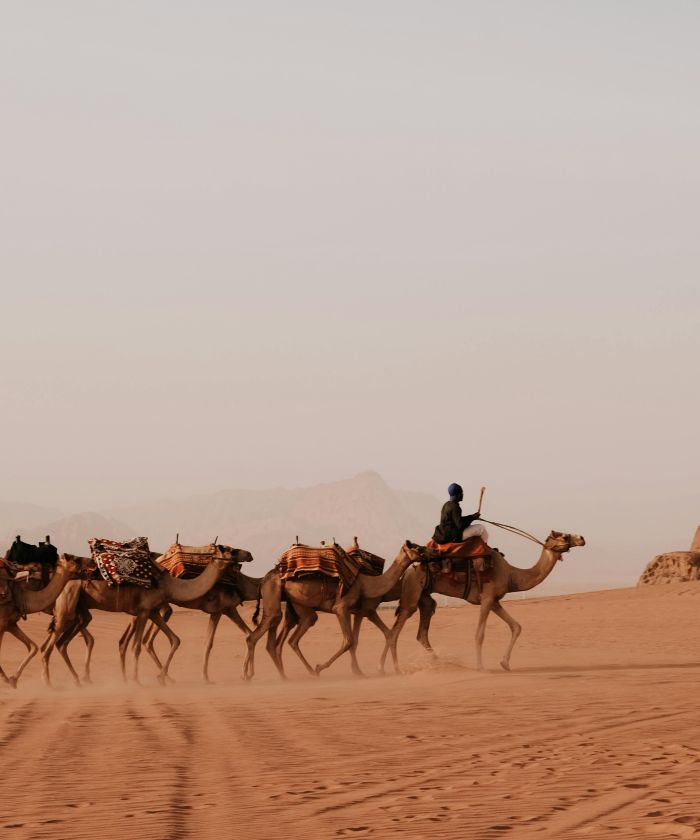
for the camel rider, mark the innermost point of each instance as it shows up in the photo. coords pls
(453, 526)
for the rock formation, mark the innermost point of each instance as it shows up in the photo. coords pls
(696, 541)
(674, 567)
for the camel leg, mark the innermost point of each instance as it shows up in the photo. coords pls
(343, 615)
(373, 616)
(426, 608)
(62, 641)
(124, 640)
(305, 621)
(3, 675)
(290, 621)
(235, 617)
(89, 640)
(138, 630)
(515, 630)
(211, 630)
(46, 649)
(174, 640)
(393, 639)
(272, 645)
(487, 605)
(268, 625)
(149, 638)
(32, 650)
(50, 642)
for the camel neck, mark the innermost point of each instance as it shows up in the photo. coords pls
(377, 586)
(524, 579)
(179, 589)
(37, 600)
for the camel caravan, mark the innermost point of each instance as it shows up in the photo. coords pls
(352, 583)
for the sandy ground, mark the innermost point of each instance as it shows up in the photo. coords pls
(595, 732)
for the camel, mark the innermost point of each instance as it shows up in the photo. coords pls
(310, 594)
(71, 611)
(368, 608)
(17, 600)
(220, 600)
(503, 578)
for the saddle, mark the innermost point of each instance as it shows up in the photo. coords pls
(370, 564)
(120, 563)
(473, 553)
(329, 560)
(39, 560)
(189, 561)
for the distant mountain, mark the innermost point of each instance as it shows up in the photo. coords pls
(18, 516)
(266, 522)
(71, 533)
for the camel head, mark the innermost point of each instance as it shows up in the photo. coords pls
(412, 552)
(560, 543)
(71, 564)
(237, 556)
(86, 564)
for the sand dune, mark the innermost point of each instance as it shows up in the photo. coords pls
(594, 733)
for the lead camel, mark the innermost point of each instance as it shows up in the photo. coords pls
(417, 583)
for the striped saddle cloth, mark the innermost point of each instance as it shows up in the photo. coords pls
(189, 561)
(330, 560)
(123, 562)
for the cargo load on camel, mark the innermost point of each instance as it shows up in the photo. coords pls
(189, 561)
(330, 560)
(122, 563)
(472, 553)
(33, 562)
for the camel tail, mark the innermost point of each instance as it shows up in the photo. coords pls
(256, 614)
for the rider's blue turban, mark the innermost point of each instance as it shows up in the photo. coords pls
(454, 490)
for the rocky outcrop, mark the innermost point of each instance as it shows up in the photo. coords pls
(674, 567)
(696, 541)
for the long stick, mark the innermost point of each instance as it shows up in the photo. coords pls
(481, 498)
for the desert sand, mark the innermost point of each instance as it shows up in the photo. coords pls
(595, 732)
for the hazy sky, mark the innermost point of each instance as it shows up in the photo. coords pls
(257, 244)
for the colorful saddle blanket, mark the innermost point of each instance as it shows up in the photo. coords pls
(473, 547)
(189, 561)
(330, 560)
(123, 562)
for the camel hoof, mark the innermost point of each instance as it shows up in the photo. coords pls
(12, 682)
(318, 669)
(505, 665)
(87, 680)
(162, 679)
(357, 673)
